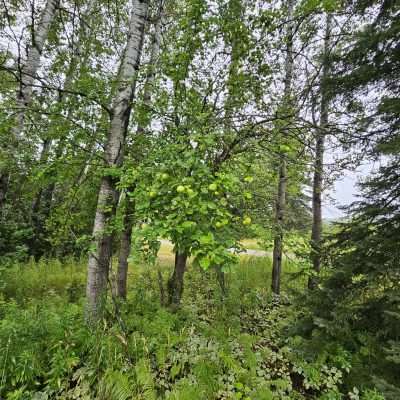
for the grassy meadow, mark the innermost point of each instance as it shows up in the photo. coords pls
(215, 346)
(237, 344)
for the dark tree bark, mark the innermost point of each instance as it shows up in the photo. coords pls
(221, 280)
(124, 250)
(279, 221)
(175, 282)
(4, 177)
(36, 245)
(280, 209)
(316, 232)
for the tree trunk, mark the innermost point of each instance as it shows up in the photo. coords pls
(175, 282)
(124, 250)
(280, 209)
(99, 258)
(28, 73)
(32, 64)
(126, 235)
(316, 232)
(278, 239)
(221, 279)
(161, 286)
(38, 222)
(4, 177)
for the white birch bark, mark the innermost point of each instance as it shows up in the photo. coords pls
(30, 67)
(99, 258)
(39, 213)
(126, 234)
(29, 70)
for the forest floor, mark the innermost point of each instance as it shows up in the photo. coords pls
(215, 347)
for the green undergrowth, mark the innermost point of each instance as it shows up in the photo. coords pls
(232, 346)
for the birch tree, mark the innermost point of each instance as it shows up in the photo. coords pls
(79, 57)
(27, 74)
(99, 258)
(128, 219)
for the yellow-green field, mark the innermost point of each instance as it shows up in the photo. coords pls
(166, 250)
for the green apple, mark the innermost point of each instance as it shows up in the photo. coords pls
(213, 187)
(219, 224)
(248, 179)
(190, 191)
(284, 148)
(248, 195)
(180, 189)
(164, 176)
(246, 221)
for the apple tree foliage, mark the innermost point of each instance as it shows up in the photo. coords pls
(187, 188)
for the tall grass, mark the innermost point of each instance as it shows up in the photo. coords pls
(217, 346)
(256, 272)
(25, 281)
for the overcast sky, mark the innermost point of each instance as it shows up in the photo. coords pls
(345, 191)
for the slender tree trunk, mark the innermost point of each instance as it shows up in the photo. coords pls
(221, 279)
(48, 192)
(36, 245)
(4, 178)
(279, 221)
(42, 203)
(316, 231)
(175, 282)
(99, 258)
(28, 73)
(126, 235)
(125, 249)
(280, 210)
(32, 64)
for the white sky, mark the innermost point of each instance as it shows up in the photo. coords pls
(345, 190)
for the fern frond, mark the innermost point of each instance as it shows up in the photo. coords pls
(116, 385)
